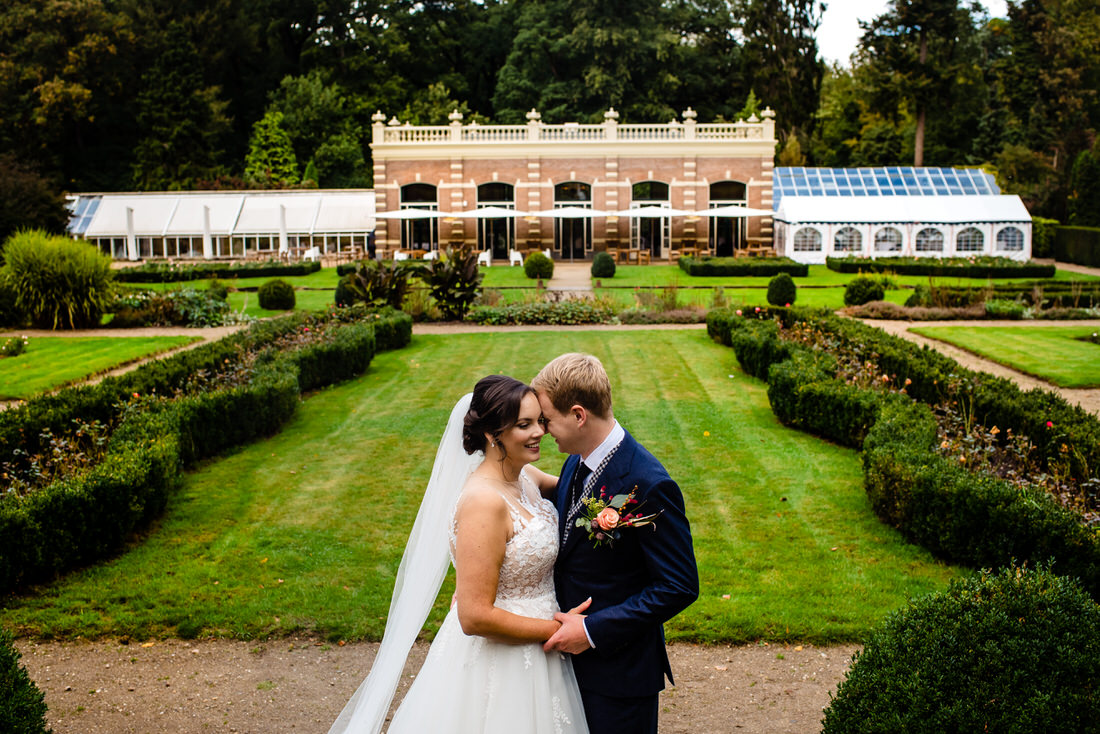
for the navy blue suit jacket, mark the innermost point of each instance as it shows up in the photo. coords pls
(647, 577)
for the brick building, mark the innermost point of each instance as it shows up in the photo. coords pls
(605, 168)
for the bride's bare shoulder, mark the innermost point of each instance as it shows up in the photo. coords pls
(479, 495)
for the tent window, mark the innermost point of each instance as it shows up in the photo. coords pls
(807, 239)
(929, 240)
(848, 239)
(888, 239)
(1010, 239)
(970, 240)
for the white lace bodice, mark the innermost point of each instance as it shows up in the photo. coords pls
(526, 584)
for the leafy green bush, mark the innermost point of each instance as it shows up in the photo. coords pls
(1018, 651)
(180, 307)
(742, 266)
(997, 309)
(13, 346)
(344, 295)
(538, 266)
(10, 313)
(1079, 245)
(863, 289)
(1042, 236)
(672, 316)
(571, 311)
(217, 289)
(375, 283)
(454, 281)
(781, 290)
(59, 283)
(603, 265)
(22, 704)
(276, 295)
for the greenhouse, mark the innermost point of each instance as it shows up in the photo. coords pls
(241, 225)
(890, 212)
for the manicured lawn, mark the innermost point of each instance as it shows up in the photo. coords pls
(54, 361)
(1053, 353)
(304, 531)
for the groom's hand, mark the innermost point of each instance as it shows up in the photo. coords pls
(570, 637)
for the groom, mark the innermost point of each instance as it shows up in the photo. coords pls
(645, 578)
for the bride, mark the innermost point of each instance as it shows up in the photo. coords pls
(483, 510)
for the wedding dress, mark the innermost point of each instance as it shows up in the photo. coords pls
(473, 685)
(468, 684)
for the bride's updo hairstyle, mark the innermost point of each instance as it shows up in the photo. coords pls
(494, 408)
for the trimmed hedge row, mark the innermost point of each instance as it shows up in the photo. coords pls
(972, 519)
(22, 704)
(576, 311)
(164, 273)
(742, 266)
(998, 267)
(79, 520)
(1079, 245)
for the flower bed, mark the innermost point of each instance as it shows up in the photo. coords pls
(954, 267)
(857, 385)
(147, 425)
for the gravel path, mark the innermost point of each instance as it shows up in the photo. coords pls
(300, 685)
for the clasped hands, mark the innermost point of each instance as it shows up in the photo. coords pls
(570, 637)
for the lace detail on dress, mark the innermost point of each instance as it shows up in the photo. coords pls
(526, 583)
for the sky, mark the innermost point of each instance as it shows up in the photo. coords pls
(839, 31)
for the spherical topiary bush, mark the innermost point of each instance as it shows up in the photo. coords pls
(277, 295)
(22, 705)
(863, 289)
(603, 265)
(781, 290)
(1018, 651)
(538, 265)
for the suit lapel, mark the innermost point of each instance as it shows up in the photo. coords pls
(568, 469)
(611, 478)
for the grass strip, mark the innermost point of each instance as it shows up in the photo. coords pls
(51, 362)
(1052, 353)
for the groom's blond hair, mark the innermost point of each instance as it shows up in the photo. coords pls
(576, 379)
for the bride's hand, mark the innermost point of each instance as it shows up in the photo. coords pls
(579, 609)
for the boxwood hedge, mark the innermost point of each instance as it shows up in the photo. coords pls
(82, 518)
(968, 518)
(742, 266)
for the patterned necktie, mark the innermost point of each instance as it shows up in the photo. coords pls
(576, 497)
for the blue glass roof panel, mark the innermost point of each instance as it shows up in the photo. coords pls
(884, 181)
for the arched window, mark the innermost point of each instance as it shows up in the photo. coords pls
(571, 192)
(929, 240)
(807, 239)
(419, 234)
(649, 191)
(495, 192)
(970, 240)
(848, 239)
(1010, 239)
(888, 239)
(728, 192)
(418, 193)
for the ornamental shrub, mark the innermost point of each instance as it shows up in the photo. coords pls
(1018, 651)
(538, 266)
(277, 295)
(376, 283)
(454, 281)
(22, 704)
(781, 290)
(603, 265)
(863, 289)
(59, 283)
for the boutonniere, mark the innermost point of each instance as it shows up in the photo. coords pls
(605, 517)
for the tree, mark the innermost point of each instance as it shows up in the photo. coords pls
(271, 162)
(572, 59)
(28, 200)
(917, 57)
(1084, 197)
(780, 57)
(182, 120)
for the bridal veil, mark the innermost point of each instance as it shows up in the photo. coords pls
(423, 567)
